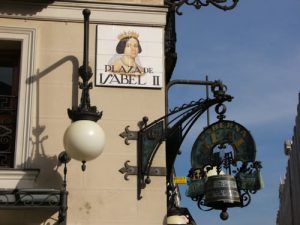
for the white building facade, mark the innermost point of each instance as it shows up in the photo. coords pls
(41, 48)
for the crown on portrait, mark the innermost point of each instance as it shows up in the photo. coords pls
(128, 34)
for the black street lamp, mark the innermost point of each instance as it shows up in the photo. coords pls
(84, 139)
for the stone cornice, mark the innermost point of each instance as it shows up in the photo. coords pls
(71, 11)
(12, 178)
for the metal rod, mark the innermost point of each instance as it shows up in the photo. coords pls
(63, 211)
(190, 82)
(85, 111)
(186, 82)
(207, 97)
(86, 13)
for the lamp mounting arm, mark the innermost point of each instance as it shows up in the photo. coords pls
(85, 111)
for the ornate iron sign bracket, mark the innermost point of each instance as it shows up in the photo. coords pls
(171, 128)
(133, 170)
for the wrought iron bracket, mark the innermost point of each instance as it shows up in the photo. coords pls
(149, 139)
(129, 135)
(133, 135)
(128, 170)
(171, 129)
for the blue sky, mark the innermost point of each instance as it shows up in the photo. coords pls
(255, 50)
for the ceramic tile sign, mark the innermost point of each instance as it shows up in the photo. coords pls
(129, 56)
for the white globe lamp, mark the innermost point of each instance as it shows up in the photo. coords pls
(84, 140)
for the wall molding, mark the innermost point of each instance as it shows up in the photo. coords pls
(105, 13)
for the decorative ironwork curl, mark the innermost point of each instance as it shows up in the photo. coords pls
(185, 106)
(198, 4)
(52, 199)
(245, 198)
(6, 144)
(4, 199)
(5, 140)
(201, 203)
(127, 170)
(27, 199)
(220, 110)
(30, 198)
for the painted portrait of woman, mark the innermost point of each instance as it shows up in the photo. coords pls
(126, 60)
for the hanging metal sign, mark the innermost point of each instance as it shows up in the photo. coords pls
(216, 180)
(220, 133)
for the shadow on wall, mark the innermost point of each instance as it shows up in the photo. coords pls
(49, 177)
(48, 165)
(40, 74)
(28, 217)
(24, 9)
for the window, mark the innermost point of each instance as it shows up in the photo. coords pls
(9, 86)
(16, 69)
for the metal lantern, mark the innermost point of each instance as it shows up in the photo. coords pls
(224, 171)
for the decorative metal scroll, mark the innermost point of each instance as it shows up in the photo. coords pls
(133, 170)
(49, 199)
(198, 4)
(8, 109)
(29, 198)
(7, 137)
(223, 132)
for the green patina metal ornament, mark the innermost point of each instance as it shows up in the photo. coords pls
(220, 133)
(224, 172)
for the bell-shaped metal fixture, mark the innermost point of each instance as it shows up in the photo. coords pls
(221, 192)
